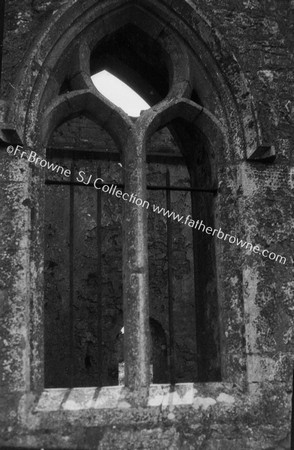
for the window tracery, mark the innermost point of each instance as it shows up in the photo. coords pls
(176, 109)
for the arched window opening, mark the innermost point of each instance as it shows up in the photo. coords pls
(119, 93)
(86, 301)
(200, 161)
(183, 295)
(83, 277)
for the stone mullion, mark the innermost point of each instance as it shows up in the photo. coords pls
(135, 268)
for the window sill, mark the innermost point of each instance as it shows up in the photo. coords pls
(202, 395)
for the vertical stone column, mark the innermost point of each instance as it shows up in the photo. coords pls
(135, 268)
(14, 283)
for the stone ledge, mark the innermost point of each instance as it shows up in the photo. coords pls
(160, 395)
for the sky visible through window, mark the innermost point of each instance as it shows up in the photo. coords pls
(119, 93)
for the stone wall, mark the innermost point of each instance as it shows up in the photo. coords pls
(256, 295)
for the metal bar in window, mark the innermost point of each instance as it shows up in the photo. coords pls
(156, 158)
(99, 284)
(151, 188)
(170, 285)
(71, 279)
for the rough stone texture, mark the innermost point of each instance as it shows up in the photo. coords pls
(254, 203)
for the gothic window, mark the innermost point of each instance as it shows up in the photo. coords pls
(113, 264)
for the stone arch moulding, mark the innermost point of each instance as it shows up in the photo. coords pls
(217, 71)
